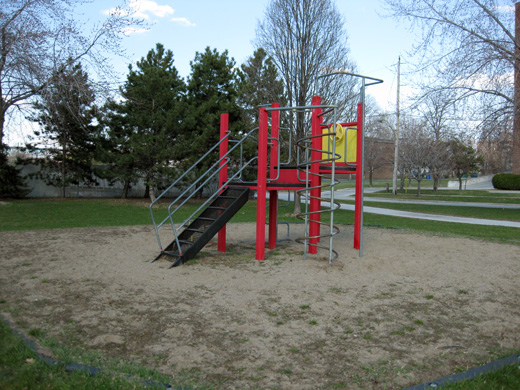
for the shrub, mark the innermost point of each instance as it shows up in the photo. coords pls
(506, 181)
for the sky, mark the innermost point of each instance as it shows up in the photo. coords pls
(187, 27)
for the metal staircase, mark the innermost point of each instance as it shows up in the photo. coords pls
(198, 233)
(191, 234)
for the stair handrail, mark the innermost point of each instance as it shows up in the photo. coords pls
(225, 158)
(210, 199)
(190, 169)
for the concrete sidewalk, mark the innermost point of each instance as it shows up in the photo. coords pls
(348, 194)
(431, 217)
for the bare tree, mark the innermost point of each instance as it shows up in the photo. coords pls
(37, 39)
(417, 151)
(495, 148)
(306, 39)
(438, 112)
(468, 46)
(378, 144)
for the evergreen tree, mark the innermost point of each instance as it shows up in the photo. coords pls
(259, 84)
(11, 183)
(212, 90)
(114, 147)
(65, 114)
(464, 160)
(142, 132)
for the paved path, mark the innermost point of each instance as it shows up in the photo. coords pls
(349, 193)
(433, 217)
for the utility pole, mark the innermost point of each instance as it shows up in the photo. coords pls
(396, 134)
(516, 115)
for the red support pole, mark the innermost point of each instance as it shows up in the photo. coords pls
(273, 194)
(359, 178)
(275, 133)
(315, 194)
(223, 173)
(273, 222)
(261, 184)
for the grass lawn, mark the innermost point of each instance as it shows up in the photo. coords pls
(63, 214)
(507, 378)
(471, 212)
(477, 196)
(21, 369)
(382, 184)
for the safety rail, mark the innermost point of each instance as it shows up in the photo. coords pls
(307, 215)
(195, 187)
(303, 165)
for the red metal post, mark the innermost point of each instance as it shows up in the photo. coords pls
(223, 173)
(273, 222)
(315, 193)
(273, 194)
(261, 184)
(359, 178)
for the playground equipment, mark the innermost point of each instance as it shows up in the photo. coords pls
(329, 150)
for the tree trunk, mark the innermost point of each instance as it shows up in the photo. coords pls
(2, 121)
(436, 180)
(147, 192)
(297, 203)
(419, 188)
(63, 167)
(152, 192)
(126, 188)
(370, 175)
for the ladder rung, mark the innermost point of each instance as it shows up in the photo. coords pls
(227, 197)
(194, 230)
(217, 208)
(206, 218)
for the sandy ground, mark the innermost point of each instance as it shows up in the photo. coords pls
(413, 309)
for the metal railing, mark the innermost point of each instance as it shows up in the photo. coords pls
(196, 186)
(303, 164)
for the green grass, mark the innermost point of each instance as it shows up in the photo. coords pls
(490, 233)
(472, 212)
(507, 378)
(21, 369)
(478, 196)
(383, 183)
(65, 214)
(62, 214)
(72, 213)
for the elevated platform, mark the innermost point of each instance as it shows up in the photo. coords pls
(291, 178)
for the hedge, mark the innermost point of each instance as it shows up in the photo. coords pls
(506, 181)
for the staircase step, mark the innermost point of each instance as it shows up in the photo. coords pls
(194, 230)
(206, 218)
(204, 227)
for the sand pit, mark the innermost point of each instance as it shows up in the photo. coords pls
(414, 308)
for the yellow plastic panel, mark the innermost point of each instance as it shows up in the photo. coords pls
(351, 139)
